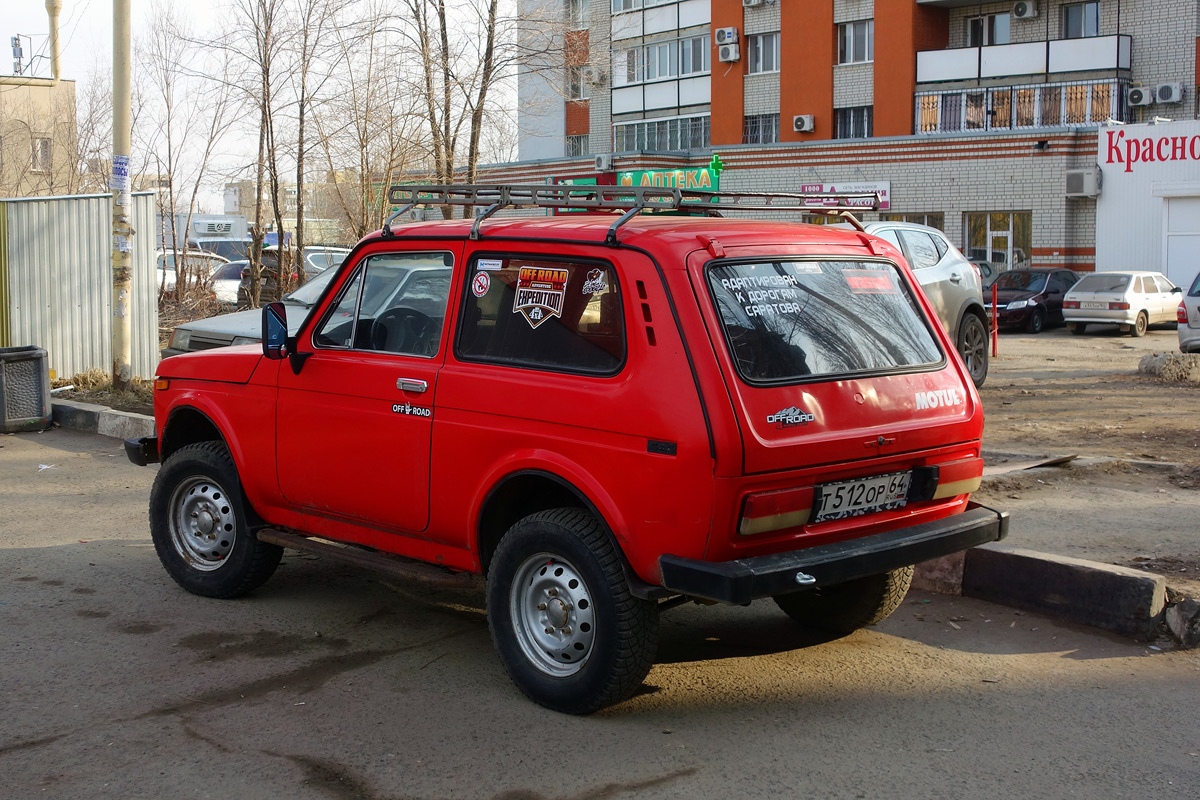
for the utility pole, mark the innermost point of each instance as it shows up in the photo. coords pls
(122, 208)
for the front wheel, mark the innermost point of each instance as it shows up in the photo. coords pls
(199, 526)
(846, 607)
(569, 632)
(1037, 321)
(973, 347)
(1141, 324)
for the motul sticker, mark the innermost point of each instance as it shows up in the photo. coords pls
(596, 282)
(790, 418)
(940, 398)
(540, 293)
(480, 284)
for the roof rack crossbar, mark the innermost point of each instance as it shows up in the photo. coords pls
(630, 199)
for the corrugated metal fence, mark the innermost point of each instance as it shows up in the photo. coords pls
(56, 281)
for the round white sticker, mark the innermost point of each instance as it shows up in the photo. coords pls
(481, 284)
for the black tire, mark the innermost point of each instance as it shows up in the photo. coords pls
(846, 607)
(198, 520)
(1140, 325)
(1036, 321)
(569, 632)
(1078, 328)
(973, 347)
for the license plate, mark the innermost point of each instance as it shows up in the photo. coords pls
(862, 496)
(1103, 306)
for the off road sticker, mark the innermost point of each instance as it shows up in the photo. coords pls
(410, 410)
(480, 284)
(492, 264)
(596, 282)
(540, 292)
(790, 418)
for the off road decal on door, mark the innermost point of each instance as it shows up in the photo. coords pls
(540, 293)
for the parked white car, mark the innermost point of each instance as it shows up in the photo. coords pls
(1132, 300)
(201, 262)
(1189, 319)
(225, 282)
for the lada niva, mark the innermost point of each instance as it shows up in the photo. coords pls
(600, 416)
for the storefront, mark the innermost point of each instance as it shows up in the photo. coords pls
(1148, 211)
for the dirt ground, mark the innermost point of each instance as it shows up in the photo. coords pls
(1056, 394)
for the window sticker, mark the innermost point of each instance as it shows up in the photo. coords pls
(480, 284)
(596, 282)
(870, 281)
(492, 264)
(540, 293)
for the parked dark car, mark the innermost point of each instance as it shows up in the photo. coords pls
(1031, 298)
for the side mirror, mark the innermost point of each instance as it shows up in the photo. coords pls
(274, 331)
(1176, 289)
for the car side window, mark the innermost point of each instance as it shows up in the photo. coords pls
(544, 313)
(921, 247)
(941, 244)
(394, 303)
(1164, 285)
(891, 236)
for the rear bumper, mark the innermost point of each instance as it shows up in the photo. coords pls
(142, 451)
(747, 579)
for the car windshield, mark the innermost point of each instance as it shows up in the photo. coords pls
(307, 294)
(1025, 281)
(1102, 282)
(800, 320)
(230, 271)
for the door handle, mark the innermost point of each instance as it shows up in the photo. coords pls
(955, 277)
(411, 385)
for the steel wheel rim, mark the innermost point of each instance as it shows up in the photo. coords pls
(974, 346)
(202, 523)
(552, 615)
(1141, 324)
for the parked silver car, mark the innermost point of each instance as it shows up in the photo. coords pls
(1131, 300)
(1189, 319)
(952, 284)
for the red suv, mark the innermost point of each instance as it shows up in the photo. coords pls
(604, 416)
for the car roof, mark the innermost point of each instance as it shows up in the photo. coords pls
(913, 226)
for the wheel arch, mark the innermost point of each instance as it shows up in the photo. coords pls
(187, 425)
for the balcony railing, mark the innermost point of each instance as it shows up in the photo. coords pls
(1042, 105)
(1029, 58)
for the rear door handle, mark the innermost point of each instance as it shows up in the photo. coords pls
(411, 385)
(955, 277)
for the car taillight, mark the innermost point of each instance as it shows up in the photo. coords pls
(774, 511)
(1070, 304)
(1118, 306)
(1181, 314)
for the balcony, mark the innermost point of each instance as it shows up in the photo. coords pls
(1029, 58)
(1013, 108)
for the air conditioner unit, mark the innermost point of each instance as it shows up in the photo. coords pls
(1168, 93)
(1083, 182)
(725, 35)
(604, 162)
(1140, 95)
(1024, 9)
(751, 3)
(728, 53)
(803, 123)
(593, 75)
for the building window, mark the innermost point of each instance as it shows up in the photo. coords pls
(679, 133)
(934, 219)
(630, 5)
(661, 60)
(577, 88)
(1004, 239)
(1080, 20)
(853, 123)
(694, 55)
(987, 30)
(856, 42)
(577, 145)
(1038, 106)
(760, 129)
(40, 161)
(576, 14)
(762, 53)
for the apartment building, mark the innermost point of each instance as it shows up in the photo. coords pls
(982, 119)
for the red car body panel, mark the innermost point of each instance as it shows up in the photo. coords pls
(324, 452)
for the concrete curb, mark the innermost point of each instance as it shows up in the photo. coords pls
(91, 418)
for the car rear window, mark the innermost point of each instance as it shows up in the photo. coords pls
(1099, 282)
(804, 320)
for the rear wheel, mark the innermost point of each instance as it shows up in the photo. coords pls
(1078, 328)
(846, 607)
(1140, 324)
(1036, 321)
(973, 347)
(569, 632)
(199, 527)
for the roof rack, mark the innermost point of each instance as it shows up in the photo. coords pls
(630, 199)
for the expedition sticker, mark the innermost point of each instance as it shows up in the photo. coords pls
(790, 418)
(540, 292)
(480, 284)
(412, 411)
(596, 282)
(490, 264)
